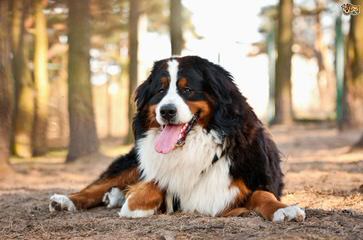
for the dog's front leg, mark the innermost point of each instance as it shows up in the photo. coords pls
(266, 204)
(108, 190)
(142, 200)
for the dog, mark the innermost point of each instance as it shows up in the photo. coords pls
(199, 147)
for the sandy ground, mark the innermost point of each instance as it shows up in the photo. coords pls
(320, 176)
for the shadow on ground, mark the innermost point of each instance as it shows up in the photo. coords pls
(319, 173)
(32, 220)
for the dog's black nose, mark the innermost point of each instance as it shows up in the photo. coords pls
(168, 111)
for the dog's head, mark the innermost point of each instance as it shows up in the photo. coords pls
(182, 92)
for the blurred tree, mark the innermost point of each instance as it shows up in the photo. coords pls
(83, 134)
(359, 144)
(175, 26)
(326, 80)
(134, 16)
(353, 76)
(109, 18)
(6, 89)
(24, 100)
(18, 10)
(40, 80)
(283, 100)
(309, 42)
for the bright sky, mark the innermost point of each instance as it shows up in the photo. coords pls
(228, 28)
(227, 20)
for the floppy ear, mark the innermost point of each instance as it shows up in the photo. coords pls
(219, 81)
(142, 93)
(228, 100)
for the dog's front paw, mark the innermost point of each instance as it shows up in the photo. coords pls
(135, 213)
(113, 198)
(60, 202)
(289, 213)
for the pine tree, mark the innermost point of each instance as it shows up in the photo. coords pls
(6, 89)
(40, 80)
(133, 60)
(175, 26)
(83, 134)
(24, 99)
(283, 99)
(353, 76)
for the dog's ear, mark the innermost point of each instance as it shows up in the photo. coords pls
(219, 81)
(142, 94)
(228, 100)
(143, 91)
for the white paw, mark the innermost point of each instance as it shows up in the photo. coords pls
(113, 198)
(126, 212)
(61, 202)
(289, 213)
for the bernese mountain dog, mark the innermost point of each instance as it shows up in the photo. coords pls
(199, 147)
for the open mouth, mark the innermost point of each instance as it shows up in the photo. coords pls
(174, 135)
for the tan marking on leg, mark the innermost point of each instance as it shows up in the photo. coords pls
(236, 205)
(144, 196)
(236, 212)
(264, 203)
(244, 192)
(92, 195)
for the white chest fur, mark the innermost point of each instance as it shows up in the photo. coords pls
(188, 172)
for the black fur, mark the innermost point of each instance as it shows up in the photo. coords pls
(254, 156)
(121, 164)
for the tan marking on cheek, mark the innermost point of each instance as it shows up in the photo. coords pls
(204, 108)
(144, 196)
(151, 116)
(182, 83)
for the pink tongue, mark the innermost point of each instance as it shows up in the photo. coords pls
(167, 139)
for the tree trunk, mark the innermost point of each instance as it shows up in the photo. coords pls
(133, 60)
(353, 79)
(24, 100)
(359, 144)
(83, 134)
(40, 80)
(17, 28)
(175, 25)
(326, 80)
(283, 99)
(24, 110)
(6, 89)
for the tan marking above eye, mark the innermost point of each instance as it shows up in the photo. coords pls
(182, 83)
(165, 82)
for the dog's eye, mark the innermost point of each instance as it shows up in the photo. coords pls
(187, 90)
(161, 90)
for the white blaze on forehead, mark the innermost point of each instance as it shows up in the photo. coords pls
(173, 67)
(184, 114)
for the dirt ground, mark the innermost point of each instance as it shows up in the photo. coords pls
(320, 175)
